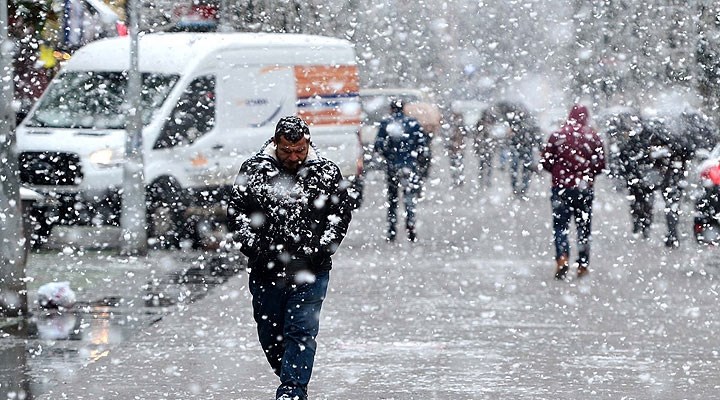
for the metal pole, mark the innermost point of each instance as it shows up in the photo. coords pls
(223, 23)
(13, 247)
(133, 216)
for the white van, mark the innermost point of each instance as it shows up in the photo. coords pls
(209, 101)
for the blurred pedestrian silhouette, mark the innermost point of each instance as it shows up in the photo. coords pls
(487, 141)
(401, 142)
(457, 134)
(630, 162)
(430, 119)
(524, 138)
(654, 155)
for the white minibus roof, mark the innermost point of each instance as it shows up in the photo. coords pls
(174, 52)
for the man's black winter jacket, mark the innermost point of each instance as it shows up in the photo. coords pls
(286, 222)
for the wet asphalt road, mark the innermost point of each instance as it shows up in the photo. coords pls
(117, 296)
(471, 311)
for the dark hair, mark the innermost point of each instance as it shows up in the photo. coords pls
(291, 128)
(396, 105)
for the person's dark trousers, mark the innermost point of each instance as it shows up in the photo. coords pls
(410, 183)
(457, 166)
(520, 172)
(485, 152)
(641, 208)
(288, 320)
(571, 203)
(672, 195)
(424, 161)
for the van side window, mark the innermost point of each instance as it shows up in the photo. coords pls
(193, 115)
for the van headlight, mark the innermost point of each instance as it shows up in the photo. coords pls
(107, 158)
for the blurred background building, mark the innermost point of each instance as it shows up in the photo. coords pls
(610, 52)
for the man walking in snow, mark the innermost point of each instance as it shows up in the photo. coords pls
(289, 212)
(401, 141)
(574, 156)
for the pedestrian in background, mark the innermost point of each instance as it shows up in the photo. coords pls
(457, 132)
(524, 138)
(574, 155)
(289, 213)
(485, 145)
(631, 163)
(430, 119)
(401, 142)
(670, 151)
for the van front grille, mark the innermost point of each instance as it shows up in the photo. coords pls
(50, 168)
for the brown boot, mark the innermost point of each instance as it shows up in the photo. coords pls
(562, 267)
(582, 271)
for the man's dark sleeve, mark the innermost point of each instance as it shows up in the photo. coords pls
(603, 160)
(240, 208)
(422, 135)
(379, 145)
(547, 154)
(339, 214)
(599, 157)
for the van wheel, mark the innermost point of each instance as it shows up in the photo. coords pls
(206, 231)
(166, 205)
(37, 225)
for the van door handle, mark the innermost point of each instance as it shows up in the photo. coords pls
(218, 147)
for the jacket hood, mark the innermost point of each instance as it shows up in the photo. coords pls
(579, 115)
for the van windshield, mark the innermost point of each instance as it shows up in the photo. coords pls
(91, 99)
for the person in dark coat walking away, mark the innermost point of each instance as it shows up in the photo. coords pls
(401, 141)
(524, 137)
(653, 155)
(574, 156)
(669, 152)
(289, 212)
(485, 145)
(457, 132)
(631, 162)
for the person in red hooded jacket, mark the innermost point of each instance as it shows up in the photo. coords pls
(574, 155)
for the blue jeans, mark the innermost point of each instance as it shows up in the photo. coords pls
(572, 203)
(288, 320)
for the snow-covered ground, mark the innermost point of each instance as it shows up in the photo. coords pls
(470, 311)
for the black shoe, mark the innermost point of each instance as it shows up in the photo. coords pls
(560, 272)
(412, 237)
(390, 236)
(288, 392)
(672, 243)
(289, 397)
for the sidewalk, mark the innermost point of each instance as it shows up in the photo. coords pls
(469, 312)
(204, 350)
(117, 298)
